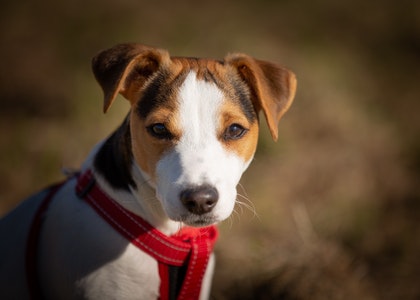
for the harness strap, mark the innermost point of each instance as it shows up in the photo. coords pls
(32, 244)
(190, 248)
(182, 258)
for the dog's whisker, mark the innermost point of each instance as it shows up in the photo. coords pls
(249, 206)
(243, 190)
(247, 203)
(244, 196)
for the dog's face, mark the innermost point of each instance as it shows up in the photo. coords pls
(194, 145)
(194, 122)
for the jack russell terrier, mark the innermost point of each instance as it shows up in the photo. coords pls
(137, 222)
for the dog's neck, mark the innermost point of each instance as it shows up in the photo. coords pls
(110, 162)
(142, 201)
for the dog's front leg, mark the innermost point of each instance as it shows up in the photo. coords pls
(207, 279)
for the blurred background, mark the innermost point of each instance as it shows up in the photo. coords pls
(330, 211)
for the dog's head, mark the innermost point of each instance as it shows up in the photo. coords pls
(194, 122)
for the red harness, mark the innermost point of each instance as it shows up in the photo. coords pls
(182, 258)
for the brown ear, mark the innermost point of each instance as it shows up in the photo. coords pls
(272, 87)
(125, 68)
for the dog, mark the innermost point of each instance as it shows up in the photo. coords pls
(165, 176)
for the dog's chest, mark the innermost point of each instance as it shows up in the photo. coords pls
(133, 275)
(99, 262)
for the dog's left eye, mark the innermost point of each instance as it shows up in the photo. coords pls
(234, 132)
(159, 131)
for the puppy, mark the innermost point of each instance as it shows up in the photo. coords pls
(137, 222)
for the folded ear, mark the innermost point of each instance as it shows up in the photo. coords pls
(125, 68)
(272, 87)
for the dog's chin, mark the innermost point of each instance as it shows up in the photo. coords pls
(197, 220)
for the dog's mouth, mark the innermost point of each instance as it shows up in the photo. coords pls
(198, 220)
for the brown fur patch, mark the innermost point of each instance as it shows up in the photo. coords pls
(147, 150)
(246, 145)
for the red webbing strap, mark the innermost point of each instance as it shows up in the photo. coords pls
(202, 241)
(200, 254)
(190, 246)
(140, 233)
(32, 244)
(164, 293)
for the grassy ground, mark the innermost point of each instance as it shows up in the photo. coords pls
(335, 203)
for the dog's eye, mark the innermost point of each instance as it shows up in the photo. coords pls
(159, 131)
(234, 132)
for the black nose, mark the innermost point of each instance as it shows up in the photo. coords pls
(199, 200)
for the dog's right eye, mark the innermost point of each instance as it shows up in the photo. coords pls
(159, 131)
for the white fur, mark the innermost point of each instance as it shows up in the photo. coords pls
(89, 260)
(199, 157)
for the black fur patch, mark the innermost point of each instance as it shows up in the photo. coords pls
(243, 95)
(158, 92)
(114, 159)
(162, 88)
(240, 94)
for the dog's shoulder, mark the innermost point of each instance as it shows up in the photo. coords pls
(14, 230)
